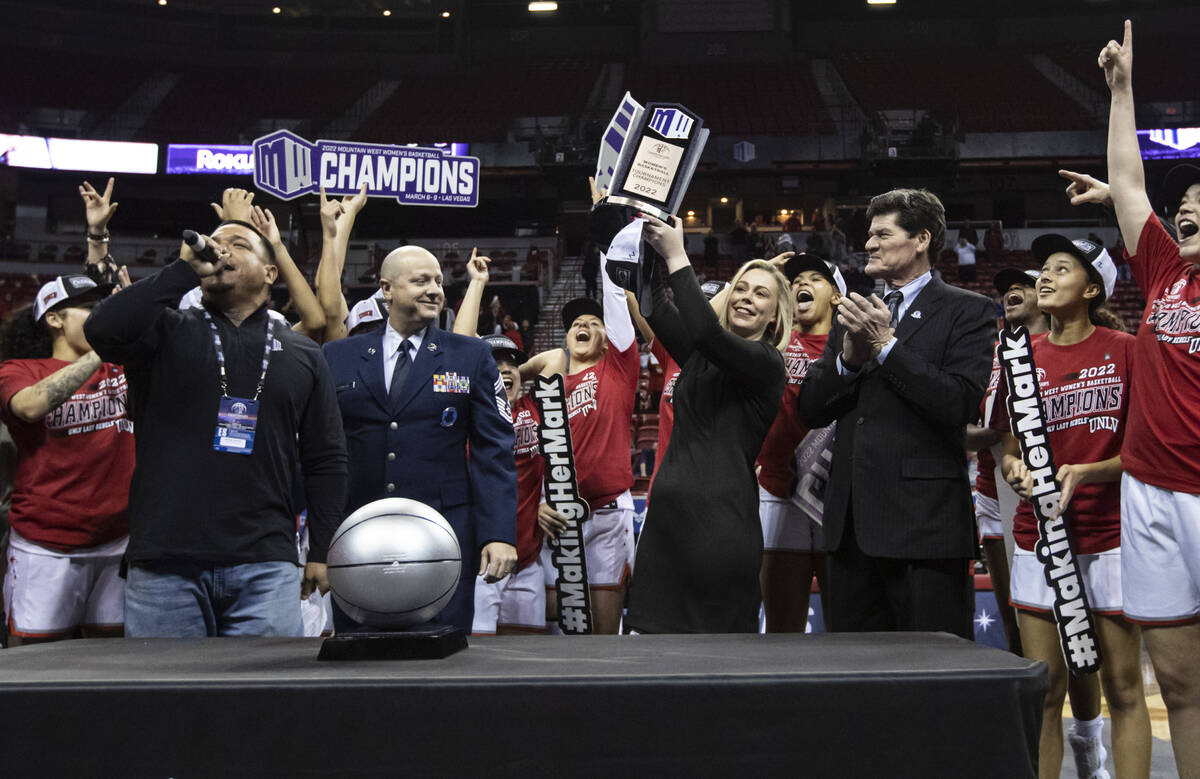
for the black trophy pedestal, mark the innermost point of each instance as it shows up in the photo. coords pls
(423, 644)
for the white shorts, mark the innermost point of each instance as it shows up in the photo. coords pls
(785, 527)
(607, 545)
(516, 601)
(1101, 574)
(47, 594)
(1160, 540)
(987, 516)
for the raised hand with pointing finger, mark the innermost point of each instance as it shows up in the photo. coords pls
(1085, 189)
(1116, 59)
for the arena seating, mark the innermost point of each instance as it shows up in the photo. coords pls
(56, 84)
(1156, 75)
(738, 99)
(317, 95)
(967, 89)
(478, 104)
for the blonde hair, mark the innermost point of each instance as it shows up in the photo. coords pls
(780, 332)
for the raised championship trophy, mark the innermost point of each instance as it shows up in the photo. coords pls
(660, 147)
(658, 158)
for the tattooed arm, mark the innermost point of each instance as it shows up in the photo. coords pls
(38, 400)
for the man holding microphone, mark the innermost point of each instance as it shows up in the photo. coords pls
(227, 402)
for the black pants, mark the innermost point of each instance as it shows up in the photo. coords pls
(869, 594)
(966, 272)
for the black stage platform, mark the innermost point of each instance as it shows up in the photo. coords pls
(620, 707)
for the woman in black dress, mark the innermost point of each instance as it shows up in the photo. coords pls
(701, 548)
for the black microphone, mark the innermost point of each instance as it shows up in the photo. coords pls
(200, 247)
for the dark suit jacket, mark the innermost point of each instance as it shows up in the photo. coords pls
(898, 451)
(418, 448)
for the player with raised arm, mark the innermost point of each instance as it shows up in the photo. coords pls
(337, 222)
(1160, 490)
(99, 264)
(517, 603)
(600, 366)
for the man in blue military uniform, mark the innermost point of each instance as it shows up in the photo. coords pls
(426, 417)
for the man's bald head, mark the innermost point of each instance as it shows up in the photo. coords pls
(411, 281)
(398, 259)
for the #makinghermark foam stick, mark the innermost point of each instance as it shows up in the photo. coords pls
(1076, 633)
(562, 495)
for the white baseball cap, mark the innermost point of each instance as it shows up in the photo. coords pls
(64, 288)
(364, 311)
(1095, 259)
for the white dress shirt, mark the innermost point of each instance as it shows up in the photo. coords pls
(391, 350)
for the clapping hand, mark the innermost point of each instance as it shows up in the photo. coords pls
(868, 328)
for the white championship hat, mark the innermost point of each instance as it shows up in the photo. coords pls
(1095, 258)
(364, 311)
(64, 288)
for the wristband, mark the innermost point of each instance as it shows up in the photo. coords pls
(101, 238)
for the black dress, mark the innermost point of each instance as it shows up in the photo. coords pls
(701, 547)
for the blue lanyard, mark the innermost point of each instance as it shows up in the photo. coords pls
(266, 360)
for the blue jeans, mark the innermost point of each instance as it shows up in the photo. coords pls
(192, 600)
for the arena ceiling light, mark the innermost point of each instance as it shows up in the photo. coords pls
(881, 2)
(541, 8)
(276, 10)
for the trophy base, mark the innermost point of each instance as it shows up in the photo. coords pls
(425, 644)
(641, 205)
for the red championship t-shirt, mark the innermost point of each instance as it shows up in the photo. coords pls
(1085, 398)
(666, 404)
(600, 407)
(777, 458)
(985, 480)
(71, 489)
(531, 468)
(1162, 442)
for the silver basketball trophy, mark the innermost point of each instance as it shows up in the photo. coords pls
(658, 157)
(394, 564)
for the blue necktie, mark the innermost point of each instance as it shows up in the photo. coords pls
(893, 300)
(403, 363)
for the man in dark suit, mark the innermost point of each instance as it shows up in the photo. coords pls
(902, 378)
(414, 399)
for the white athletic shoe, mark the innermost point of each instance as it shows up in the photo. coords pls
(1089, 757)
